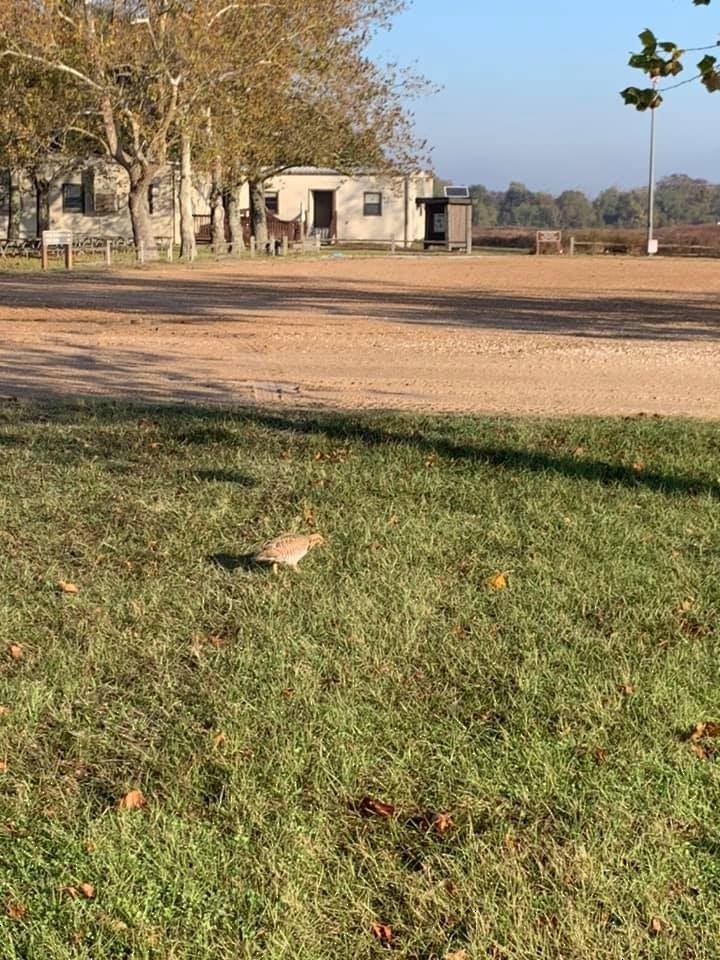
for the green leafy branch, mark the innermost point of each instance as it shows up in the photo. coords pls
(661, 60)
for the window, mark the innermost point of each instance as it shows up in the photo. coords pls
(271, 202)
(73, 198)
(372, 204)
(153, 197)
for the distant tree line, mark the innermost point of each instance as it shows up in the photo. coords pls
(679, 200)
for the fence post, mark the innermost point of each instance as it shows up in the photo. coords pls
(141, 251)
(43, 255)
(392, 246)
(572, 246)
(317, 242)
(253, 244)
(108, 253)
(170, 252)
(68, 256)
(285, 246)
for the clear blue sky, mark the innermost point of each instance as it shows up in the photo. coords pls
(530, 90)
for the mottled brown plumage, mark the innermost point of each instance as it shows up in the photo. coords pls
(288, 549)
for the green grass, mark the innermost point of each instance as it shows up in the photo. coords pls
(387, 667)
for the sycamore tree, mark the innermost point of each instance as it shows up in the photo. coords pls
(334, 107)
(665, 60)
(34, 139)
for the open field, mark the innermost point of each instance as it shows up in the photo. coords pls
(482, 334)
(531, 737)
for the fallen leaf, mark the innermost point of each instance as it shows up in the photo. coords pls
(600, 754)
(3, 766)
(705, 729)
(442, 822)
(639, 466)
(4, 710)
(431, 460)
(685, 606)
(87, 890)
(699, 751)
(369, 807)
(627, 688)
(456, 955)
(71, 892)
(14, 909)
(497, 582)
(15, 650)
(308, 516)
(382, 932)
(133, 800)
(66, 587)
(655, 926)
(219, 738)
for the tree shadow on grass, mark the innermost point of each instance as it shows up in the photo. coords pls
(198, 425)
(510, 458)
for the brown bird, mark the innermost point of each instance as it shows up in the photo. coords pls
(287, 549)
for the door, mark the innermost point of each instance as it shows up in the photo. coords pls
(323, 202)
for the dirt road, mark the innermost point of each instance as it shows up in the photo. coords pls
(485, 334)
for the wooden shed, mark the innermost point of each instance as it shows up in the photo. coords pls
(448, 222)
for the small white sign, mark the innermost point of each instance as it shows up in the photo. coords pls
(652, 246)
(57, 238)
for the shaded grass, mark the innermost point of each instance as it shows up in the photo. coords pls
(550, 719)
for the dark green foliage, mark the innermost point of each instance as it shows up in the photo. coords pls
(650, 61)
(680, 199)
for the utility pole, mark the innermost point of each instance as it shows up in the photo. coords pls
(652, 244)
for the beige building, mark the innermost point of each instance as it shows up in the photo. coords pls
(332, 206)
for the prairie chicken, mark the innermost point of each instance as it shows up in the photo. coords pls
(287, 549)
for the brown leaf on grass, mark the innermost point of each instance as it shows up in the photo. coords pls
(442, 822)
(431, 460)
(14, 909)
(3, 766)
(219, 738)
(457, 955)
(375, 808)
(705, 729)
(655, 926)
(66, 587)
(132, 800)
(498, 581)
(87, 890)
(382, 932)
(600, 754)
(4, 710)
(638, 466)
(15, 650)
(309, 516)
(627, 688)
(699, 750)
(70, 891)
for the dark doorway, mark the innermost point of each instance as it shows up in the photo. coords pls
(323, 202)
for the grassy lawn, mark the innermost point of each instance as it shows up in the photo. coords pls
(531, 742)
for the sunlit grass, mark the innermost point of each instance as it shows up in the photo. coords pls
(548, 719)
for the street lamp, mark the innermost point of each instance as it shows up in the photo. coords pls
(652, 244)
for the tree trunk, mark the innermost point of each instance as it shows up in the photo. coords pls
(42, 191)
(187, 224)
(217, 211)
(142, 227)
(232, 212)
(14, 205)
(258, 213)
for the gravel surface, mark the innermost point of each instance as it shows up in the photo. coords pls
(509, 334)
